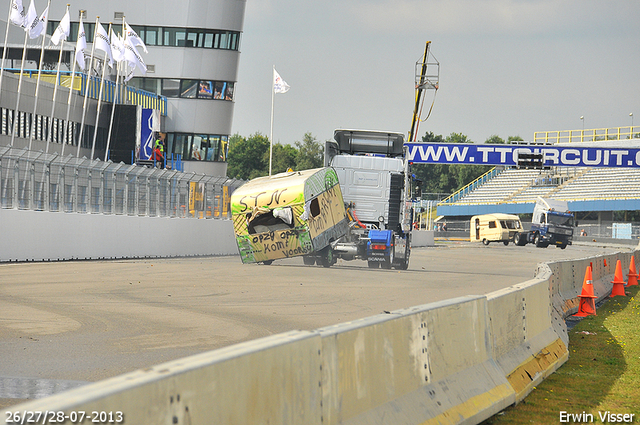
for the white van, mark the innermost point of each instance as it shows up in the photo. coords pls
(495, 227)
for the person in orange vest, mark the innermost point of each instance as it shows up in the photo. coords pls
(158, 152)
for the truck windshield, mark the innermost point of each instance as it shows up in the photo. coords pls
(562, 220)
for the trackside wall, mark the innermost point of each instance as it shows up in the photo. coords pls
(452, 362)
(51, 236)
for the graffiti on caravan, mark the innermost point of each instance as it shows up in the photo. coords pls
(481, 154)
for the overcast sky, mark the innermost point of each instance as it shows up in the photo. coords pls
(506, 67)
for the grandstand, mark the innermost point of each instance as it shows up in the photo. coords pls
(511, 190)
(592, 192)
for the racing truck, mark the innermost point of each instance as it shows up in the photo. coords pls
(551, 224)
(356, 207)
(376, 187)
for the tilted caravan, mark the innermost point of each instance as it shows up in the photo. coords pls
(289, 214)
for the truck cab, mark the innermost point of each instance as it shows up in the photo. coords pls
(373, 176)
(552, 224)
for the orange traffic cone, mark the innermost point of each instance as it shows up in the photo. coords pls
(633, 275)
(587, 298)
(605, 262)
(618, 282)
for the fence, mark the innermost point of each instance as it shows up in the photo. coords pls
(47, 182)
(590, 135)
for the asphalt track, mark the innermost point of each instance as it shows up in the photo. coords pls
(66, 323)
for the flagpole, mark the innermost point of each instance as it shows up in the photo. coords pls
(5, 48)
(73, 76)
(86, 91)
(35, 104)
(104, 70)
(113, 107)
(16, 116)
(271, 131)
(55, 92)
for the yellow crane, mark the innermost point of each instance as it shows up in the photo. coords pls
(427, 78)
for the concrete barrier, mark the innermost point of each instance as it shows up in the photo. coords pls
(422, 238)
(525, 342)
(274, 380)
(51, 236)
(427, 364)
(452, 362)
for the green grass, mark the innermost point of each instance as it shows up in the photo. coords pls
(602, 373)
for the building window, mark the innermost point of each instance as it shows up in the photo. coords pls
(198, 147)
(186, 88)
(165, 36)
(170, 87)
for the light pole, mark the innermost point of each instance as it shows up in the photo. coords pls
(582, 119)
(631, 115)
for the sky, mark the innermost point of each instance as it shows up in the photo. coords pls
(507, 67)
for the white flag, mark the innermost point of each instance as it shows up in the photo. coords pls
(279, 85)
(102, 42)
(62, 32)
(17, 13)
(39, 25)
(30, 18)
(133, 38)
(132, 56)
(81, 45)
(117, 47)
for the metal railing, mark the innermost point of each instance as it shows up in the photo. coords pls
(471, 186)
(589, 135)
(47, 182)
(132, 95)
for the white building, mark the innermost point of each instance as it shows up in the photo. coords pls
(193, 55)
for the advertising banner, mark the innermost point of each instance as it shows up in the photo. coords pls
(482, 154)
(148, 125)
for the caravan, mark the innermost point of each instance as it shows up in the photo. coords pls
(494, 228)
(289, 214)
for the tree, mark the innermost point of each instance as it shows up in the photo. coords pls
(495, 140)
(515, 139)
(246, 158)
(284, 157)
(310, 153)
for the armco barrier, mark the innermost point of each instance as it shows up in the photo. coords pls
(453, 362)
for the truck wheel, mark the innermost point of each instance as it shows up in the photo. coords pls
(404, 265)
(309, 260)
(485, 242)
(327, 257)
(520, 239)
(506, 243)
(563, 246)
(267, 262)
(538, 241)
(373, 264)
(387, 265)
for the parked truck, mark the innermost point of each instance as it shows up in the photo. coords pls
(551, 224)
(376, 188)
